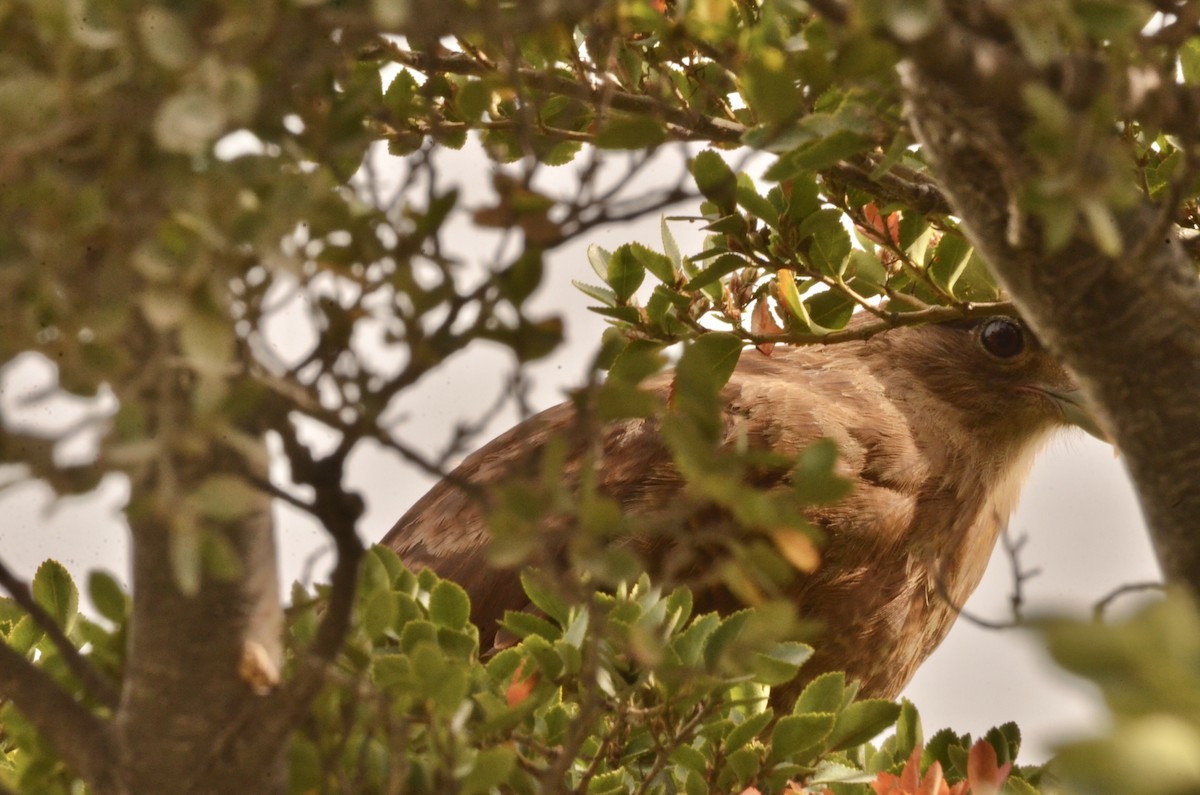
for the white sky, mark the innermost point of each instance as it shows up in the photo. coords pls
(1078, 509)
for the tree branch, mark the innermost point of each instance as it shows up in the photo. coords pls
(1102, 314)
(76, 734)
(695, 124)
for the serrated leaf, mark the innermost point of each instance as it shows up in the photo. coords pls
(378, 614)
(909, 733)
(861, 721)
(822, 694)
(724, 636)
(55, 591)
(660, 265)
(797, 737)
(747, 730)
(749, 198)
(449, 605)
(625, 273)
(670, 247)
(722, 266)
(598, 258)
(601, 294)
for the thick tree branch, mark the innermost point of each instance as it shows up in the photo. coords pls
(1127, 325)
(81, 738)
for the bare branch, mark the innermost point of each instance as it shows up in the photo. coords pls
(1102, 605)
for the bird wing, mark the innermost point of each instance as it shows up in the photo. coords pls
(782, 403)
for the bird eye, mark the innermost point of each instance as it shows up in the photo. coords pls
(1002, 337)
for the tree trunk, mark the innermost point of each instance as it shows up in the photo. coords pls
(1128, 326)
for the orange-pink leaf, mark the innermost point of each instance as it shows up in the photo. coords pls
(985, 776)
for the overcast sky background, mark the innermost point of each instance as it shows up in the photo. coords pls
(1078, 508)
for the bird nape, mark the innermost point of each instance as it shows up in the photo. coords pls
(935, 426)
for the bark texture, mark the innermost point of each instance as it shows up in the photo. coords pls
(1129, 326)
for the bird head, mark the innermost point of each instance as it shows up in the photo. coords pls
(997, 372)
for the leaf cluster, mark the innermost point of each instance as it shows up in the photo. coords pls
(628, 693)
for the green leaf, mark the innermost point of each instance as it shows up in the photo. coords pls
(722, 266)
(769, 86)
(758, 206)
(781, 663)
(822, 694)
(26, 634)
(108, 596)
(745, 763)
(861, 721)
(1006, 739)
(908, 730)
(598, 258)
(703, 370)
(1189, 61)
(815, 481)
(723, 637)
(227, 498)
(796, 737)
(692, 642)
(490, 768)
(715, 179)
(660, 265)
(625, 273)
(55, 591)
(543, 596)
(670, 247)
(630, 132)
(524, 625)
(378, 614)
(449, 605)
(604, 296)
(830, 246)
(747, 730)
(609, 783)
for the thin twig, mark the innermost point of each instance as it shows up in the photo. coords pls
(1101, 606)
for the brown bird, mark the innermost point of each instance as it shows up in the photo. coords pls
(936, 427)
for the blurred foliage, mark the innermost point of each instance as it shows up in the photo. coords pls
(176, 178)
(627, 693)
(1147, 667)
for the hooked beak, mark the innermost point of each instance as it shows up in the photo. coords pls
(1073, 406)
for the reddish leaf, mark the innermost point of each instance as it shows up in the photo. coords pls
(983, 774)
(762, 321)
(882, 229)
(519, 689)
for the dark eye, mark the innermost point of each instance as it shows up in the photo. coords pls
(1002, 337)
